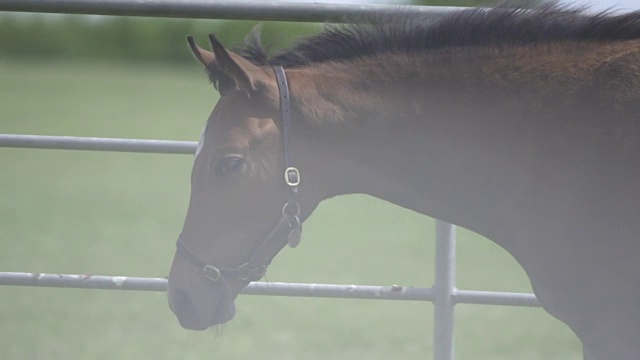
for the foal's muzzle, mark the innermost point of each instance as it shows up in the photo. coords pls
(190, 317)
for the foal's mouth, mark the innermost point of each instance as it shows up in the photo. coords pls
(191, 319)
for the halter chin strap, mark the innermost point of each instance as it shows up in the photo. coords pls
(287, 231)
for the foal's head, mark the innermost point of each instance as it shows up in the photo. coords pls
(237, 212)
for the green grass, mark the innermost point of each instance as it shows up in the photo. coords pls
(119, 214)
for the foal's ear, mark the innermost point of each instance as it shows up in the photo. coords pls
(247, 76)
(205, 57)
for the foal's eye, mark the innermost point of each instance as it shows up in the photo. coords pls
(229, 164)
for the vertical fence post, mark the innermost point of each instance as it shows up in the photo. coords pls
(444, 286)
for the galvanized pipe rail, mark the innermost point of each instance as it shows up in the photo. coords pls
(219, 9)
(393, 292)
(97, 144)
(445, 288)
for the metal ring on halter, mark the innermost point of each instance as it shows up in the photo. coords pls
(286, 208)
(247, 273)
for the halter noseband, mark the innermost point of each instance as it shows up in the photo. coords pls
(287, 231)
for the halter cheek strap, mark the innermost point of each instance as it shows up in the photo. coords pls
(291, 173)
(287, 231)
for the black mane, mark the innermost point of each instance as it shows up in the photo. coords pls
(412, 32)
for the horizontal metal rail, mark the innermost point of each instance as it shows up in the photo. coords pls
(218, 9)
(494, 298)
(393, 292)
(97, 144)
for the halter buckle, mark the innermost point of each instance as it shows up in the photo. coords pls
(292, 176)
(211, 272)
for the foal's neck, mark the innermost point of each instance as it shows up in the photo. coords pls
(455, 136)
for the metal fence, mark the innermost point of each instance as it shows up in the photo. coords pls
(443, 294)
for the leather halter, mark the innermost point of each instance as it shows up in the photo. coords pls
(287, 230)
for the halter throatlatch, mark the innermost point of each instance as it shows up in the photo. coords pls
(287, 231)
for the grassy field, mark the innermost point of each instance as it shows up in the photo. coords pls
(119, 214)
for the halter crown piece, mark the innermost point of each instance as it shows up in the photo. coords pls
(287, 231)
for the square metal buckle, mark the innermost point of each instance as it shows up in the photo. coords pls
(292, 176)
(211, 272)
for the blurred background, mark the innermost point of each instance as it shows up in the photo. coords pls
(119, 214)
